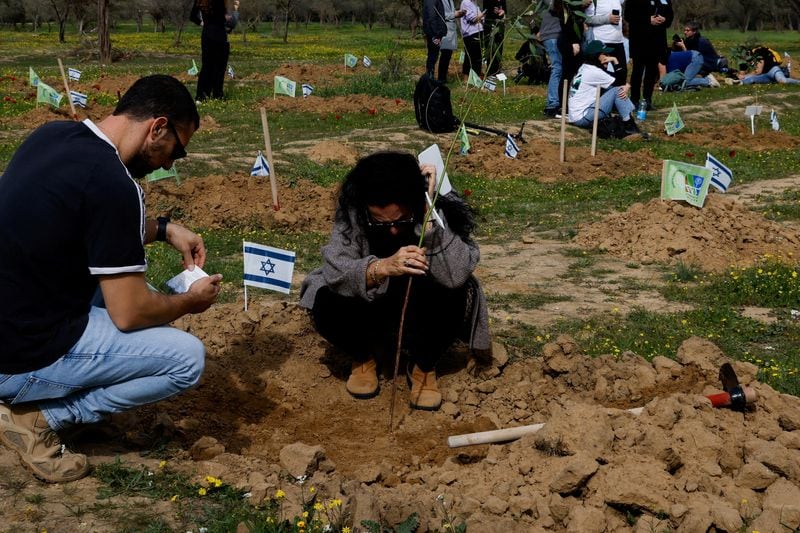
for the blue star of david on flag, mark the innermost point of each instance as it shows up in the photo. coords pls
(267, 267)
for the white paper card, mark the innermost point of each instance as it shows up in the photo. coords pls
(752, 110)
(500, 76)
(433, 156)
(180, 283)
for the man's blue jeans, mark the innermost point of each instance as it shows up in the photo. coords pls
(553, 99)
(608, 101)
(775, 75)
(108, 371)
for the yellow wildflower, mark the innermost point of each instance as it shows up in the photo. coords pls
(174, 498)
(279, 494)
(162, 464)
(312, 490)
(202, 491)
(319, 507)
(345, 529)
(301, 524)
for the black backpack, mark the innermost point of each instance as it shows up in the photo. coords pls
(611, 127)
(432, 106)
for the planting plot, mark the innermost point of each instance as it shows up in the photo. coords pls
(602, 298)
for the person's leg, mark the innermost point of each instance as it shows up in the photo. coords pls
(108, 371)
(220, 67)
(697, 82)
(473, 59)
(621, 70)
(780, 77)
(433, 55)
(753, 79)
(444, 64)
(694, 67)
(637, 73)
(553, 85)
(204, 77)
(624, 106)
(650, 79)
(606, 105)
(347, 323)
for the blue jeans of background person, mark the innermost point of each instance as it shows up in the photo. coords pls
(553, 98)
(608, 101)
(775, 75)
(108, 371)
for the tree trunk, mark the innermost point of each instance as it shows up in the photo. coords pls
(61, 28)
(104, 31)
(286, 22)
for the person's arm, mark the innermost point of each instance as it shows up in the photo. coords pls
(450, 259)
(132, 305)
(187, 242)
(195, 15)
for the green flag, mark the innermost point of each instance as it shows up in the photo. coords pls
(461, 57)
(160, 174)
(47, 95)
(674, 123)
(350, 60)
(193, 70)
(683, 181)
(34, 78)
(464, 139)
(284, 86)
(474, 79)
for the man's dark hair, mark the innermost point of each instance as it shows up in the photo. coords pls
(385, 178)
(159, 95)
(693, 25)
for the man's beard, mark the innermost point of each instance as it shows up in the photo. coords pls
(141, 165)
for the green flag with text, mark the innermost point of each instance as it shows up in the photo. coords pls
(684, 181)
(284, 86)
(47, 95)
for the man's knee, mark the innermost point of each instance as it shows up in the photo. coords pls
(192, 360)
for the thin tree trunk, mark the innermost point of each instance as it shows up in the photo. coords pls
(103, 31)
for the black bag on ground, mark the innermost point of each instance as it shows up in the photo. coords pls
(611, 127)
(432, 106)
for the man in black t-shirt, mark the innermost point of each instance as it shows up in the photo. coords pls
(72, 221)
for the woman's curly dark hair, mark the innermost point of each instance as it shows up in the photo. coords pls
(385, 178)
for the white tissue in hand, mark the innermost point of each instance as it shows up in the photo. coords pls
(180, 283)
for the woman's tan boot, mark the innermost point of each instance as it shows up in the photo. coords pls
(425, 393)
(363, 380)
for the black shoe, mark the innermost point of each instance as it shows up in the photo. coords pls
(630, 127)
(552, 112)
(650, 106)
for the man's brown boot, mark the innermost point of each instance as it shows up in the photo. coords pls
(425, 393)
(25, 430)
(363, 380)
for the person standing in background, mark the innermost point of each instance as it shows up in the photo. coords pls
(549, 34)
(450, 40)
(648, 21)
(213, 16)
(494, 34)
(604, 18)
(472, 33)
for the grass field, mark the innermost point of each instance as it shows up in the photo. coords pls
(506, 206)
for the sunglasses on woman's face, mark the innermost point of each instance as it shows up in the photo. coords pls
(378, 224)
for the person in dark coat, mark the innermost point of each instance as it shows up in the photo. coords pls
(494, 33)
(214, 17)
(648, 21)
(435, 28)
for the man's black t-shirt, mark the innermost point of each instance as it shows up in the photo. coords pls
(69, 211)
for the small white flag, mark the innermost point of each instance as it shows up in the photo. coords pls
(260, 167)
(773, 119)
(721, 176)
(78, 99)
(231, 75)
(74, 74)
(367, 62)
(193, 70)
(511, 147)
(267, 267)
(307, 89)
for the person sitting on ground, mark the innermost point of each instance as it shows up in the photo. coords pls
(356, 297)
(692, 40)
(591, 75)
(690, 63)
(767, 69)
(82, 334)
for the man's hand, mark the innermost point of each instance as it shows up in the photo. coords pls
(189, 244)
(204, 292)
(436, 41)
(407, 260)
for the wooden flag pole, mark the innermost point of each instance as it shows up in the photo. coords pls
(594, 122)
(268, 146)
(66, 86)
(563, 155)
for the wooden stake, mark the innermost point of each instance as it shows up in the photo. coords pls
(66, 86)
(268, 147)
(594, 123)
(563, 155)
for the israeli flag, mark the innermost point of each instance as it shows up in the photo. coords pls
(511, 147)
(490, 83)
(260, 167)
(78, 99)
(773, 119)
(367, 61)
(307, 89)
(721, 176)
(74, 74)
(267, 267)
(230, 72)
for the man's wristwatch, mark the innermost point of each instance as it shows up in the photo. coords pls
(161, 232)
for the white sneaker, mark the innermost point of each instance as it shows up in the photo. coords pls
(712, 81)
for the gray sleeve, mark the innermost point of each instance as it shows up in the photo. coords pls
(451, 260)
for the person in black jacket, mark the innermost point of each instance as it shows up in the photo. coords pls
(494, 34)
(213, 16)
(434, 28)
(648, 21)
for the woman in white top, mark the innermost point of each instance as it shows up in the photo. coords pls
(591, 75)
(604, 18)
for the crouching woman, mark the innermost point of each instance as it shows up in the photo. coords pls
(356, 297)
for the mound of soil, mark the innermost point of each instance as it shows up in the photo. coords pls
(326, 151)
(540, 160)
(735, 137)
(113, 85)
(316, 75)
(273, 400)
(723, 233)
(351, 103)
(240, 200)
(44, 113)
